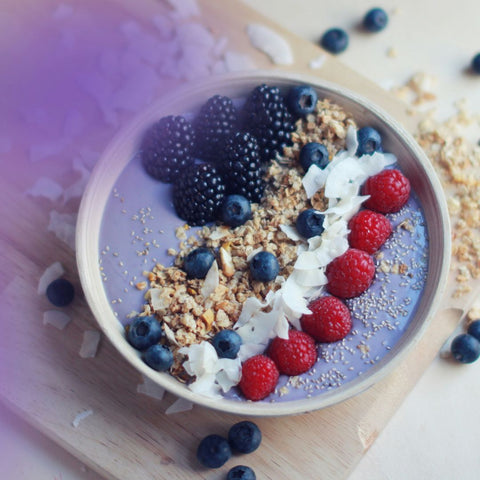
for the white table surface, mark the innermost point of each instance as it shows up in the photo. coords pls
(435, 434)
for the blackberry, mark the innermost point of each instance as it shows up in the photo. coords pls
(215, 123)
(198, 194)
(167, 148)
(267, 117)
(242, 167)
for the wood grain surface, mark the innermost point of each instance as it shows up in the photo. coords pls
(128, 435)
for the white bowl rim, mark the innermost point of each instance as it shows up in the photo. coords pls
(85, 243)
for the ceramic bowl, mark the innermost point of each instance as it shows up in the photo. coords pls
(97, 225)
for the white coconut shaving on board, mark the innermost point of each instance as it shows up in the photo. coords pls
(237, 62)
(76, 189)
(45, 187)
(151, 389)
(317, 62)
(259, 322)
(56, 319)
(63, 225)
(271, 43)
(80, 417)
(178, 406)
(90, 343)
(51, 273)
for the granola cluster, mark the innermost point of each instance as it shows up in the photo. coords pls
(193, 311)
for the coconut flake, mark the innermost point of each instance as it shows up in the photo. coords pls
(290, 232)
(89, 347)
(237, 62)
(56, 318)
(47, 188)
(77, 188)
(151, 389)
(80, 417)
(270, 43)
(317, 62)
(51, 273)
(180, 405)
(211, 282)
(47, 149)
(63, 225)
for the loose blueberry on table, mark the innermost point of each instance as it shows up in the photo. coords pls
(375, 20)
(60, 292)
(335, 40)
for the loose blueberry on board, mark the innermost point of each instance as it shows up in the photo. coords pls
(241, 472)
(375, 20)
(60, 292)
(301, 100)
(310, 223)
(144, 332)
(475, 64)
(227, 343)
(235, 210)
(369, 141)
(313, 153)
(335, 40)
(213, 451)
(465, 348)
(474, 329)
(198, 262)
(244, 437)
(264, 266)
(159, 357)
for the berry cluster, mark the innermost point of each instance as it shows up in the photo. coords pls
(215, 450)
(223, 151)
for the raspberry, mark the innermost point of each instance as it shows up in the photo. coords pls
(167, 148)
(259, 377)
(389, 191)
(368, 231)
(329, 321)
(350, 274)
(295, 355)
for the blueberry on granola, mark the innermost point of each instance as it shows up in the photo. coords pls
(369, 141)
(235, 210)
(167, 148)
(144, 332)
(60, 292)
(301, 100)
(227, 343)
(198, 262)
(313, 153)
(267, 117)
(198, 194)
(159, 357)
(309, 223)
(264, 266)
(242, 167)
(214, 124)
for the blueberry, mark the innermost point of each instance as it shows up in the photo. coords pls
(198, 262)
(369, 141)
(476, 63)
(335, 40)
(244, 437)
(474, 329)
(313, 153)
(144, 332)
(60, 292)
(213, 451)
(159, 357)
(235, 210)
(227, 343)
(375, 20)
(264, 266)
(465, 348)
(301, 100)
(241, 472)
(310, 223)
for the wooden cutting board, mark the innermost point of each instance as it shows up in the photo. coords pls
(128, 435)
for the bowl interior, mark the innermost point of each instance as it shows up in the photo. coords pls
(189, 99)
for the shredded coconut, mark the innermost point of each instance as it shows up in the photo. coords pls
(151, 389)
(270, 43)
(180, 405)
(80, 417)
(89, 347)
(51, 273)
(56, 318)
(47, 188)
